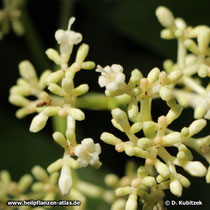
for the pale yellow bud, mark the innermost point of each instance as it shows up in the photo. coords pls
(175, 76)
(110, 138)
(38, 122)
(153, 75)
(56, 89)
(133, 109)
(60, 139)
(18, 100)
(88, 65)
(136, 127)
(80, 90)
(171, 139)
(116, 125)
(25, 182)
(165, 93)
(54, 56)
(43, 78)
(55, 166)
(111, 180)
(135, 78)
(131, 203)
(208, 175)
(145, 143)
(161, 168)
(173, 114)
(176, 187)
(55, 77)
(167, 34)
(123, 191)
(82, 53)
(27, 70)
(119, 204)
(183, 180)
(196, 126)
(191, 45)
(165, 16)
(70, 134)
(203, 39)
(39, 173)
(149, 181)
(77, 114)
(67, 85)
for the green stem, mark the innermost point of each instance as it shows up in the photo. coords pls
(145, 111)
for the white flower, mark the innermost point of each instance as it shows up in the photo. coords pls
(67, 38)
(111, 77)
(87, 153)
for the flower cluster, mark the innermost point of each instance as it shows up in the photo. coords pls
(56, 94)
(11, 13)
(159, 172)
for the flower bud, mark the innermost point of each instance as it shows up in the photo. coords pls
(55, 77)
(82, 53)
(88, 65)
(80, 90)
(131, 203)
(175, 76)
(119, 204)
(136, 127)
(173, 114)
(165, 16)
(77, 114)
(194, 168)
(39, 173)
(51, 110)
(171, 139)
(65, 180)
(116, 125)
(203, 71)
(38, 122)
(5, 177)
(27, 70)
(165, 93)
(56, 89)
(110, 138)
(208, 175)
(153, 75)
(176, 187)
(145, 143)
(133, 109)
(196, 126)
(55, 166)
(149, 181)
(203, 39)
(183, 180)
(70, 134)
(167, 34)
(135, 78)
(111, 180)
(162, 168)
(121, 118)
(25, 182)
(18, 100)
(60, 139)
(67, 85)
(37, 187)
(54, 56)
(129, 150)
(123, 191)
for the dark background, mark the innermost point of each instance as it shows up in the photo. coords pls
(118, 31)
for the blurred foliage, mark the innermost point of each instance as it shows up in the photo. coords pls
(118, 31)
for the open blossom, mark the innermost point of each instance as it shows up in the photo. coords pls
(87, 153)
(67, 38)
(111, 77)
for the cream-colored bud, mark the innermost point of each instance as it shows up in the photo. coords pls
(82, 53)
(136, 127)
(88, 65)
(80, 90)
(119, 204)
(116, 125)
(208, 175)
(56, 89)
(203, 39)
(55, 166)
(180, 24)
(54, 56)
(123, 191)
(60, 139)
(67, 85)
(196, 126)
(55, 77)
(131, 203)
(195, 168)
(51, 110)
(37, 187)
(149, 181)
(141, 172)
(144, 83)
(173, 114)
(5, 177)
(43, 78)
(18, 90)
(73, 163)
(153, 75)
(133, 109)
(23, 83)
(65, 180)
(18, 100)
(176, 187)
(27, 70)
(165, 93)
(185, 132)
(160, 178)
(38, 122)
(168, 65)
(145, 143)
(110, 138)
(70, 134)
(77, 114)
(165, 16)
(167, 34)
(175, 76)
(121, 118)
(39, 173)
(129, 150)
(111, 180)
(135, 78)
(161, 168)
(191, 45)
(171, 139)
(183, 180)
(25, 182)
